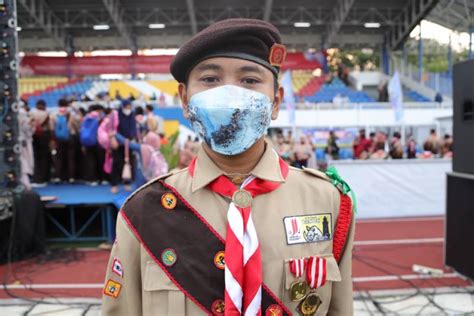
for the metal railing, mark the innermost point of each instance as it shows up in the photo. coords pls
(370, 106)
(441, 82)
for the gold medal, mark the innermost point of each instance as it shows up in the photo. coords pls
(310, 305)
(298, 290)
(242, 198)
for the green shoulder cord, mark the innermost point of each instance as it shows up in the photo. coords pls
(342, 185)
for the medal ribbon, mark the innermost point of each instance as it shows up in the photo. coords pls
(243, 263)
(316, 272)
(297, 267)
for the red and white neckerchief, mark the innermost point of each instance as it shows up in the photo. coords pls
(297, 267)
(316, 272)
(243, 263)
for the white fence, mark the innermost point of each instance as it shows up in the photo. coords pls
(397, 188)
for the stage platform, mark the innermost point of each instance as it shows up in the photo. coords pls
(79, 212)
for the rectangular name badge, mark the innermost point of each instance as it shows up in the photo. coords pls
(308, 228)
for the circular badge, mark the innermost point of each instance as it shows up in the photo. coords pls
(242, 198)
(218, 307)
(274, 310)
(169, 257)
(219, 260)
(169, 200)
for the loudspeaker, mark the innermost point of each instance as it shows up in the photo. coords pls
(463, 117)
(459, 224)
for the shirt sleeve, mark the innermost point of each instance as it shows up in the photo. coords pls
(342, 295)
(122, 293)
(133, 145)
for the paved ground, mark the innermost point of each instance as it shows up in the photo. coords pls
(384, 253)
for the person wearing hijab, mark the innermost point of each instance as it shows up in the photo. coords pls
(128, 129)
(152, 163)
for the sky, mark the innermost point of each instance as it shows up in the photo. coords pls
(459, 41)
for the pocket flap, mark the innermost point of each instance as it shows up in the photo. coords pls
(332, 271)
(156, 279)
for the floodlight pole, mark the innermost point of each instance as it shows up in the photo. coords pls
(450, 58)
(385, 59)
(471, 32)
(404, 60)
(420, 56)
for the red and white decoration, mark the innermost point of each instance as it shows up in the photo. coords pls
(297, 267)
(316, 272)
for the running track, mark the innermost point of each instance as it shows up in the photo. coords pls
(384, 252)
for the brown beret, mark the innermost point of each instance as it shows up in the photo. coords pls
(249, 39)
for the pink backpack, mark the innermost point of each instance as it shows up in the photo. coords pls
(156, 166)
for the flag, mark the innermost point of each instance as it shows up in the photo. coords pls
(395, 96)
(289, 98)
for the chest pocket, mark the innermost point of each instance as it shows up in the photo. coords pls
(333, 274)
(160, 295)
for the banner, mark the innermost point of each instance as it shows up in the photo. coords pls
(397, 188)
(97, 65)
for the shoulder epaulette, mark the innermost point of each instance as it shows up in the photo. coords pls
(317, 173)
(163, 176)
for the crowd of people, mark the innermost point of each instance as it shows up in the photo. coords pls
(92, 145)
(379, 146)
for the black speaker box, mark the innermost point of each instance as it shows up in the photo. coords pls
(463, 117)
(459, 252)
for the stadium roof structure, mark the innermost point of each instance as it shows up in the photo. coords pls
(86, 25)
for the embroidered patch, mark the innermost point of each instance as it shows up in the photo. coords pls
(112, 289)
(273, 310)
(219, 260)
(169, 257)
(117, 267)
(218, 307)
(277, 55)
(169, 200)
(308, 228)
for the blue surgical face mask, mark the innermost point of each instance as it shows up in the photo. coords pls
(230, 119)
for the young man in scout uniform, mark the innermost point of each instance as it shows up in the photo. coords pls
(238, 232)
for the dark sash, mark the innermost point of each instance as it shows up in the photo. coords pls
(195, 242)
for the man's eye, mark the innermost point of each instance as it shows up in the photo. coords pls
(209, 79)
(250, 81)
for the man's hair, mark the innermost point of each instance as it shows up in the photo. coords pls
(63, 102)
(139, 110)
(150, 107)
(40, 103)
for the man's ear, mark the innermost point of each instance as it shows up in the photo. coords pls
(277, 102)
(183, 96)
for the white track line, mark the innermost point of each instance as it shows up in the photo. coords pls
(402, 277)
(399, 219)
(398, 241)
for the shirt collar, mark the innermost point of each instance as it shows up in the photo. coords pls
(206, 171)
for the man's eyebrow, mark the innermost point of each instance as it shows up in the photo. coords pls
(204, 67)
(251, 69)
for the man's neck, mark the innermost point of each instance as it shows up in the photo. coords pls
(239, 164)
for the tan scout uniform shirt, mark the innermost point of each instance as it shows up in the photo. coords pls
(145, 288)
